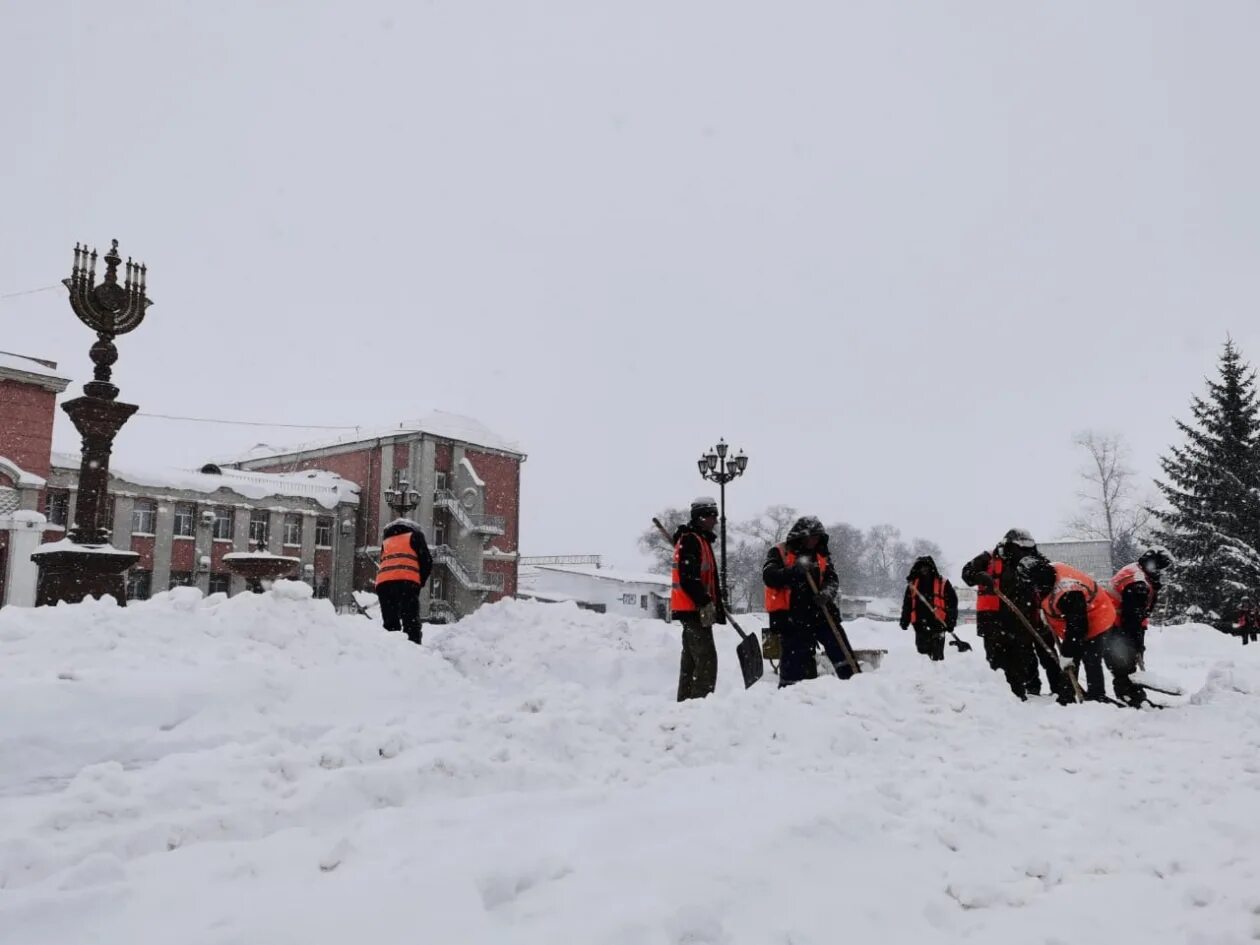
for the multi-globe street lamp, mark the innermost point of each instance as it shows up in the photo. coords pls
(715, 467)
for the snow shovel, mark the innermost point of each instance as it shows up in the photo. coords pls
(840, 635)
(1070, 673)
(962, 645)
(751, 663)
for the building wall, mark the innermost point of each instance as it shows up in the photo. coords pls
(26, 431)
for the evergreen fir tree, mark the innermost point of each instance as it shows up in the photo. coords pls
(1212, 525)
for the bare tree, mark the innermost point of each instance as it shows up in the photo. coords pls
(770, 527)
(652, 542)
(1108, 508)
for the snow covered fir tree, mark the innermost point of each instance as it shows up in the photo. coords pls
(1212, 487)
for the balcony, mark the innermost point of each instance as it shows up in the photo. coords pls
(470, 522)
(484, 581)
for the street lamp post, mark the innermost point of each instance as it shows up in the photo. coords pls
(401, 498)
(87, 565)
(715, 467)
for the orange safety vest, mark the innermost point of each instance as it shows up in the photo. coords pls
(937, 598)
(1131, 574)
(399, 561)
(987, 601)
(1100, 612)
(780, 598)
(679, 601)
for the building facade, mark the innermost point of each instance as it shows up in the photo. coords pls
(182, 523)
(28, 397)
(323, 503)
(467, 481)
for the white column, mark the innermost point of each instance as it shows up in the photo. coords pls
(26, 533)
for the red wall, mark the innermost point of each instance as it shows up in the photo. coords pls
(26, 433)
(353, 466)
(143, 546)
(502, 476)
(183, 555)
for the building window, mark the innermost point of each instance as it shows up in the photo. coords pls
(630, 599)
(57, 507)
(439, 527)
(259, 526)
(185, 519)
(144, 517)
(222, 524)
(292, 529)
(323, 587)
(181, 579)
(139, 584)
(220, 583)
(643, 602)
(437, 589)
(439, 482)
(323, 532)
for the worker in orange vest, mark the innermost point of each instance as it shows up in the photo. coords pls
(1082, 616)
(1007, 643)
(930, 625)
(1245, 622)
(696, 600)
(796, 613)
(1135, 590)
(405, 567)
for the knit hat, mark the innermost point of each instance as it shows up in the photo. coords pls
(703, 505)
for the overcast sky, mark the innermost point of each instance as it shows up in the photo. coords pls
(899, 252)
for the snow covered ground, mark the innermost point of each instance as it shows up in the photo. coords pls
(259, 770)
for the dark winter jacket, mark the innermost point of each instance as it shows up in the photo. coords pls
(1136, 604)
(400, 526)
(691, 535)
(803, 611)
(923, 575)
(1022, 594)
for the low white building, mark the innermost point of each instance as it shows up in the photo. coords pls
(1091, 556)
(607, 590)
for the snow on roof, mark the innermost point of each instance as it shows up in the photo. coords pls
(24, 365)
(326, 488)
(19, 475)
(609, 574)
(438, 423)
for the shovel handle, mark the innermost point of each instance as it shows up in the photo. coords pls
(844, 644)
(1076, 686)
(919, 594)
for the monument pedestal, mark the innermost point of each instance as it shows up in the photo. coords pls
(70, 572)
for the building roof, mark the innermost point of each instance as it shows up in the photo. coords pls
(437, 423)
(609, 574)
(33, 370)
(1093, 556)
(326, 488)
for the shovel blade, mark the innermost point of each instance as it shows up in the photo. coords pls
(751, 663)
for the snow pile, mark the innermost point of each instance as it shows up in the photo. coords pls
(259, 769)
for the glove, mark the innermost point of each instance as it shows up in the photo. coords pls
(904, 625)
(984, 579)
(708, 614)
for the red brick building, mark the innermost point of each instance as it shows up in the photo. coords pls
(28, 395)
(468, 481)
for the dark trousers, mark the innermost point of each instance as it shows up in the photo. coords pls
(800, 643)
(1018, 658)
(697, 671)
(1116, 650)
(930, 641)
(400, 607)
(986, 622)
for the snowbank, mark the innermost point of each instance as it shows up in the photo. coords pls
(261, 770)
